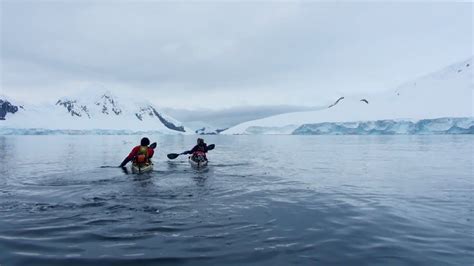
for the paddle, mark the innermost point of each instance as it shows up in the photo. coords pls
(172, 156)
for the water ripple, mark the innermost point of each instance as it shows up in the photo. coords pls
(337, 201)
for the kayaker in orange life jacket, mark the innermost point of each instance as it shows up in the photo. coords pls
(199, 150)
(140, 154)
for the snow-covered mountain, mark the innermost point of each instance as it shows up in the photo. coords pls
(88, 112)
(444, 93)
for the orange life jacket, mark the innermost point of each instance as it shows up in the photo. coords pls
(142, 155)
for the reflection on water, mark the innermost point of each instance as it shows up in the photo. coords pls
(263, 200)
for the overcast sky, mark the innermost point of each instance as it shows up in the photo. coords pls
(211, 55)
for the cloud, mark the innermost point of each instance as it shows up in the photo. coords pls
(227, 54)
(228, 117)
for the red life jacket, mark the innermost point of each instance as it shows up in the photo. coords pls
(200, 153)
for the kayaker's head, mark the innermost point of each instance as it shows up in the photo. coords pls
(200, 141)
(145, 142)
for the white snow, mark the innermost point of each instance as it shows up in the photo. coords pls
(445, 93)
(104, 111)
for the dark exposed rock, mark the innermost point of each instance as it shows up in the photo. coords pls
(7, 107)
(167, 123)
(106, 101)
(152, 112)
(221, 130)
(341, 98)
(84, 108)
(73, 108)
(202, 131)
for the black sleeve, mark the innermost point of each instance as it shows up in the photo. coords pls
(125, 161)
(193, 150)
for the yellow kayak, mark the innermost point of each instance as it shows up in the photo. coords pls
(138, 169)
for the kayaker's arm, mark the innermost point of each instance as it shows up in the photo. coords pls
(151, 152)
(194, 149)
(130, 157)
(125, 161)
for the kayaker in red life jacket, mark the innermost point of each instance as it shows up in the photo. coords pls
(199, 150)
(140, 154)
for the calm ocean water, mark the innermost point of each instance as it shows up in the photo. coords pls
(263, 200)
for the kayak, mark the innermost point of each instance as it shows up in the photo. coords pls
(197, 164)
(136, 169)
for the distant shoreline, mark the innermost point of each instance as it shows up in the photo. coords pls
(436, 126)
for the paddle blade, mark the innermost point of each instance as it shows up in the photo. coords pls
(153, 145)
(172, 156)
(211, 147)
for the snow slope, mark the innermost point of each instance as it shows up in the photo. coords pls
(93, 112)
(445, 93)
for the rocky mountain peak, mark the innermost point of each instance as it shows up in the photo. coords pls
(7, 107)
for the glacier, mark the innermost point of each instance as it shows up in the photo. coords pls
(43, 131)
(435, 97)
(446, 125)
